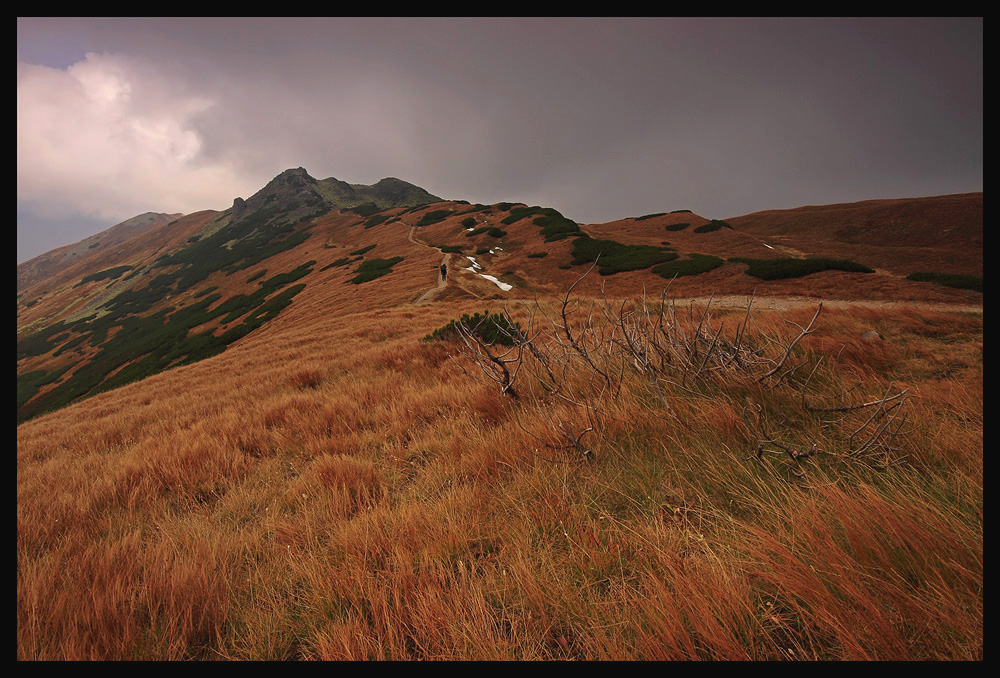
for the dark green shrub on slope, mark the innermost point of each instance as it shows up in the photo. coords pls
(492, 328)
(958, 281)
(780, 269)
(434, 217)
(713, 225)
(614, 257)
(375, 268)
(695, 264)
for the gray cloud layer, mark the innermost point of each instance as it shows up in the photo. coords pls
(601, 119)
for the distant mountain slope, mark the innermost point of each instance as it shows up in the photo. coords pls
(173, 295)
(941, 233)
(45, 265)
(161, 292)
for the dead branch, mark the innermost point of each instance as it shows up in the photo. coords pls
(788, 351)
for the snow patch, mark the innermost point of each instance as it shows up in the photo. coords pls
(767, 246)
(506, 287)
(502, 285)
(474, 262)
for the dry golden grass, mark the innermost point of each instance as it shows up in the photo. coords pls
(333, 488)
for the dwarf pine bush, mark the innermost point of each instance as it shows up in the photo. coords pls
(492, 328)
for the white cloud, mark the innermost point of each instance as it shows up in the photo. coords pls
(111, 137)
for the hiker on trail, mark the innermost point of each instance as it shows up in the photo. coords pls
(444, 271)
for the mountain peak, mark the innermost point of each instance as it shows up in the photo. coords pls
(291, 174)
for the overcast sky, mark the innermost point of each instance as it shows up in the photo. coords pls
(599, 118)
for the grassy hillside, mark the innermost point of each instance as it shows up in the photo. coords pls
(365, 494)
(304, 430)
(943, 234)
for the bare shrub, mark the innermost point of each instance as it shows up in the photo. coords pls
(575, 361)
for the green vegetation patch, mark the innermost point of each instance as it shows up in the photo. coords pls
(362, 251)
(377, 219)
(416, 208)
(556, 227)
(112, 273)
(779, 269)
(695, 264)
(678, 227)
(339, 262)
(538, 255)
(553, 224)
(469, 222)
(713, 225)
(283, 279)
(518, 213)
(259, 274)
(649, 216)
(680, 211)
(956, 280)
(488, 230)
(29, 383)
(364, 210)
(69, 345)
(492, 328)
(146, 344)
(614, 257)
(434, 217)
(375, 268)
(239, 245)
(505, 206)
(450, 249)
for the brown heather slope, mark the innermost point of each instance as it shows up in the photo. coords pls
(332, 237)
(332, 487)
(941, 234)
(54, 262)
(55, 294)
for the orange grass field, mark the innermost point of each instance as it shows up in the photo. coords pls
(333, 487)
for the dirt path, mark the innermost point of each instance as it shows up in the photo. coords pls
(442, 280)
(739, 301)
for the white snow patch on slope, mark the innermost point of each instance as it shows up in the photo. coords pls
(506, 287)
(502, 285)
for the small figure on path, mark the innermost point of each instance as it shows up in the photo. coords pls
(444, 271)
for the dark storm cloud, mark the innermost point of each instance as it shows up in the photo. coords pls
(599, 118)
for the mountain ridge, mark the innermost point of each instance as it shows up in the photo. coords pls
(177, 288)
